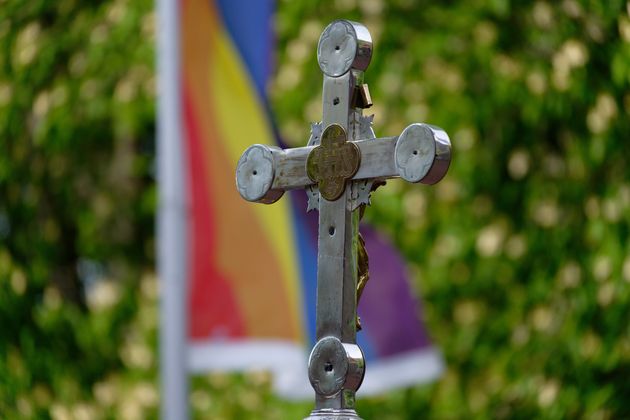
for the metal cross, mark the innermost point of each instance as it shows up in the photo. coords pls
(341, 163)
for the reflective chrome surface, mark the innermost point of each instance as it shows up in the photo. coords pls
(421, 153)
(344, 45)
(255, 174)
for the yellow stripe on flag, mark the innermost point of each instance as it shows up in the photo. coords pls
(243, 122)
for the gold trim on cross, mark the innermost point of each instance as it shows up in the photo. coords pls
(333, 162)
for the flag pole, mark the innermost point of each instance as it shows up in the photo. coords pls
(171, 218)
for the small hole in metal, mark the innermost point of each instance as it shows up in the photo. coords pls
(331, 230)
(337, 48)
(255, 172)
(328, 367)
(336, 101)
(415, 152)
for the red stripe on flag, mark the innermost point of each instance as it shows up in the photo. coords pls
(213, 309)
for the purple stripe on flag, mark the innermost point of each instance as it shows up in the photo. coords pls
(388, 309)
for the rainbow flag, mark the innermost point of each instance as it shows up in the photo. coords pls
(251, 268)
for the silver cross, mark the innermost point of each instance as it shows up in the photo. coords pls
(344, 165)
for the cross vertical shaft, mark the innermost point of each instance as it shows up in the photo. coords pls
(336, 260)
(336, 364)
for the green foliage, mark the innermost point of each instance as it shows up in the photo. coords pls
(77, 129)
(520, 253)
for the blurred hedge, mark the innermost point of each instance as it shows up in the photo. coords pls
(520, 253)
(77, 96)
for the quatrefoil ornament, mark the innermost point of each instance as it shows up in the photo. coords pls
(333, 162)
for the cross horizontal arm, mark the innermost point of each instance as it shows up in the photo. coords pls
(421, 153)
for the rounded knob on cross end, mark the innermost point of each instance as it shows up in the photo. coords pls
(333, 366)
(255, 173)
(422, 153)
(344, 45)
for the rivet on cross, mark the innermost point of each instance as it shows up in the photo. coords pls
(340, 166)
